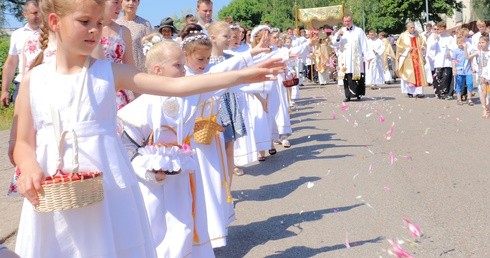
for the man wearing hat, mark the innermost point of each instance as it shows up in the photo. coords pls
(167, 28)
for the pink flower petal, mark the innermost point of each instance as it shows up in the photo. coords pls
(381, 119)
(392, 157)
(389, 133)
(413, 228)
(347, 244)
(344, 106)
(398, 251)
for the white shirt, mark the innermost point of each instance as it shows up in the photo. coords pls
(17, 42)
(352, 41)
(475, 38)
(442, 46)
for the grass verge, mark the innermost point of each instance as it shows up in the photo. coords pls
(6, 116)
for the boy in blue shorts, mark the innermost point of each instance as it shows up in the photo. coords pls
(462, 69)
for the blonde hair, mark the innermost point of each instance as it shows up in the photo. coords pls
(480, 22)
(60, 8)
(160, 53)
(216, 27)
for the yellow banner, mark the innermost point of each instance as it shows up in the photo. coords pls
(320, 16)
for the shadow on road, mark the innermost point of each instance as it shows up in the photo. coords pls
(303, 251)
(271, 192)
(286, 157)
(243, 238)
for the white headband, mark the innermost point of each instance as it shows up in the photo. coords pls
(193, 38)
(149, 43)
(257, 29)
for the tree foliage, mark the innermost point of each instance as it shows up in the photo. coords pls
(482, 9)
(386, 15)
(280, 13)
(391, 15)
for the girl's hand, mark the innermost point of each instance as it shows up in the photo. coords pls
(160, 176)
(29, 182)
(263, 46)
(264, 71)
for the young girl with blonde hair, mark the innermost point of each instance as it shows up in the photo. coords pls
(157, 144)
(75, 95)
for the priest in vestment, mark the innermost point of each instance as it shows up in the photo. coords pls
(410, 62)
(388, 65)
(351, 47)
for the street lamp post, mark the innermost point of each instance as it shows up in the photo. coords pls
(427, 11)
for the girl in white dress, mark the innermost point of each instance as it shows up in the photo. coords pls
(117, 226)
(212, 177)
(167, 198)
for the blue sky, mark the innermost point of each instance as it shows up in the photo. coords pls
(156, 10)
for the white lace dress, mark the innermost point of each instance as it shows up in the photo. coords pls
(115, 227)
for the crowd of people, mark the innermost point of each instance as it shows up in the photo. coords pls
(171, 116)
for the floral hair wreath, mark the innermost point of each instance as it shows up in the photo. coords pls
(149, 43)
(193, 38)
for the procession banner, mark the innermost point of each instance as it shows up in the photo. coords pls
(320, 16)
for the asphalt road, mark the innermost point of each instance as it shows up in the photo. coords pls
(352, 174)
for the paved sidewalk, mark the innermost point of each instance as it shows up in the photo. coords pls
(354, 171)
(9, 206)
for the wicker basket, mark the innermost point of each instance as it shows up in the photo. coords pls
(206, 128)
(291, 82)
(68, 191)
(64, 191)
(150, 141)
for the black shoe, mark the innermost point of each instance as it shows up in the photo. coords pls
(410, 95)
(346, 100)
(358, 97)
(420, 96)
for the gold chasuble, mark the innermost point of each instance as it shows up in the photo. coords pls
(410, 61)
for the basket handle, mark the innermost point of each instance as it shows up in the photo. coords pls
(150, 139)
(61, 145)
(210, 109)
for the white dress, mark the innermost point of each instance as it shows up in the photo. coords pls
(168, 203)
(374, 65)
(258, 136)
(212, 176)
(115, 227)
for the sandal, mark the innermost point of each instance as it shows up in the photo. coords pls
(272, 151)
(238, 171)
(470, 103)
(261, 159)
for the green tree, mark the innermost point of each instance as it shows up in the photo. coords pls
(247, 12)
(391, 15)
(482, 9)
(280, 13)
(4, 50)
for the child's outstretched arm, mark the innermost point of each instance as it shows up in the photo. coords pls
(29, 183)
(127, 77)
